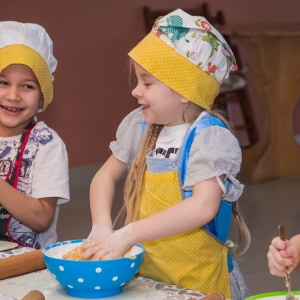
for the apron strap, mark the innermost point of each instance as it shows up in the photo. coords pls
(14, 173)
(218, 227)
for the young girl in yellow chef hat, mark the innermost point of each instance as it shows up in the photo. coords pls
(181, 190)
(33, 158)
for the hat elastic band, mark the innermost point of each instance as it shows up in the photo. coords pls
(21, 54)
(174, 70)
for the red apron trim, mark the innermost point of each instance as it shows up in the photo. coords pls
(13, 175)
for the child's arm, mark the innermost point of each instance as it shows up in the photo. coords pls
(102, 193)
(180, 218)
(34, 213)
(49, 184)
(102, 190)
(284, 254)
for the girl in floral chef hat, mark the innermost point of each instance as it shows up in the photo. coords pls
(181, 190)
(33, 159)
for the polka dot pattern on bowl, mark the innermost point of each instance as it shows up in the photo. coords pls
(91, 279)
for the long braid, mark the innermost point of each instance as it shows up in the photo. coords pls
(134, 180)
(243, 232)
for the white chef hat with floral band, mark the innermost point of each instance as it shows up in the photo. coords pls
(30, 45)
(187, 54)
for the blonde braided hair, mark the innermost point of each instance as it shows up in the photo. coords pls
(134, 180)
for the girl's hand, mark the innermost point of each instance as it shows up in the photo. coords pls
(282, 254)
(113, 246)
(98, 233)
(96, 236)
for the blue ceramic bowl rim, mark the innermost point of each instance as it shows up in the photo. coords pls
(272, 294)
(96, 278)
(84, 261)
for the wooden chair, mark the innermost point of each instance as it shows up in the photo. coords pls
(233, 97)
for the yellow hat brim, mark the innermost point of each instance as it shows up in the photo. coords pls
(21, 54)
(174, 70)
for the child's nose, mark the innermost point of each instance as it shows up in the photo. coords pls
(136, 92)
(13, 94)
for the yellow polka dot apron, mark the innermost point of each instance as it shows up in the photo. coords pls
(193, 260)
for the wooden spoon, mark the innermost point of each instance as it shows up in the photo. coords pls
(289, 295)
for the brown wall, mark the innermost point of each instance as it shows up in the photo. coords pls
(91, 41)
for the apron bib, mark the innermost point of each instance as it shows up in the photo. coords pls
(193, 260)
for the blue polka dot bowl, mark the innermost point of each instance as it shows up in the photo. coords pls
(95, 278)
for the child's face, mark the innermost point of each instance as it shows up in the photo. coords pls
(20, 98)
(161, 105)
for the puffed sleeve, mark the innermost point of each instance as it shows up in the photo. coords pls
(128, 137)
(215, 152)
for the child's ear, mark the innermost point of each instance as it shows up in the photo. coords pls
(184, 100)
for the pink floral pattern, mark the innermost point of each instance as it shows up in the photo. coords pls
(206, 26)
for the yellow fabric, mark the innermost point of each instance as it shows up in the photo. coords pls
(193, 260)
(21, 54)
(174, 70)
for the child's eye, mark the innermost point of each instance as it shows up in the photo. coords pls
(28, 86)
(2, 82)
(147, 84)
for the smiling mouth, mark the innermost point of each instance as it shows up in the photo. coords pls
(11, 109)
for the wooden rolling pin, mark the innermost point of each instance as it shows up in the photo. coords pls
(21, 264)
(34, 295)
(214, 296)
